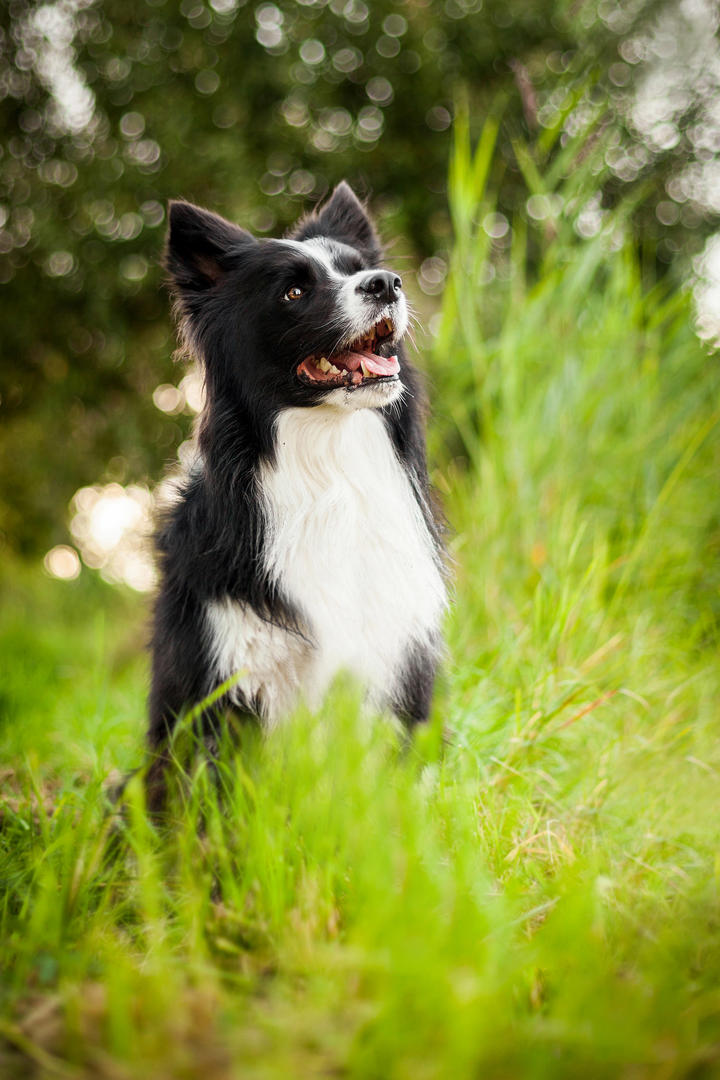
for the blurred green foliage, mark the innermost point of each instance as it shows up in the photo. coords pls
(539, 898)
(110, 108)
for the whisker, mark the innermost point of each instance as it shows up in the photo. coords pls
(412, 340)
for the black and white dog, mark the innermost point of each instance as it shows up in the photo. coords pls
(303, 541)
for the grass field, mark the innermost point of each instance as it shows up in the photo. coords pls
(537, 896)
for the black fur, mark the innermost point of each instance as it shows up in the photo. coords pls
(227, 287)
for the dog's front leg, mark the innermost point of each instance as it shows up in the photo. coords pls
(413, 696)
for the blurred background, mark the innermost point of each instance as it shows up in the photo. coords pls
(540, 895)
(109, 108)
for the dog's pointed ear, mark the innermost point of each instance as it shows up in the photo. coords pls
(201, 246)
(343, 217)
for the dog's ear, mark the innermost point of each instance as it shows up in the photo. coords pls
(201, 246)
(343, 217)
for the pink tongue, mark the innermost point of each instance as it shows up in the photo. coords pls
(379, 365)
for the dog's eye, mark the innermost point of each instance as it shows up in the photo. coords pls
(294, 293)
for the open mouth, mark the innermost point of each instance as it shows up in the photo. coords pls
(355, 364)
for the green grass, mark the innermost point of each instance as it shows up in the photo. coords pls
(536, 898)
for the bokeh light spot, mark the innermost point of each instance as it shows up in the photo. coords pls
(207, 82)
(59, 264)
(395, 25)
(111, 526)
(379, 89)
(496, 225)
(168, 398)
(62, 562)
(132, 125)
(312, 51)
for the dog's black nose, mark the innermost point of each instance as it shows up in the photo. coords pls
(381, 285)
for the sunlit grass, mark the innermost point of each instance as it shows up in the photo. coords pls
(537, 894)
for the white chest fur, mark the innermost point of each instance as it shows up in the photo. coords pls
(347, 544)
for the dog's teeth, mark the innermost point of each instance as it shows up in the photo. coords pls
(323, 364)
(331, 368)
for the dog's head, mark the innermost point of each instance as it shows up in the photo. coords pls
(310, 319)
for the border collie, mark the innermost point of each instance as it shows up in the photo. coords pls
(303, 540)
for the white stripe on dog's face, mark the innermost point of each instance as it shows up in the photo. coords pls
(331, 255)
